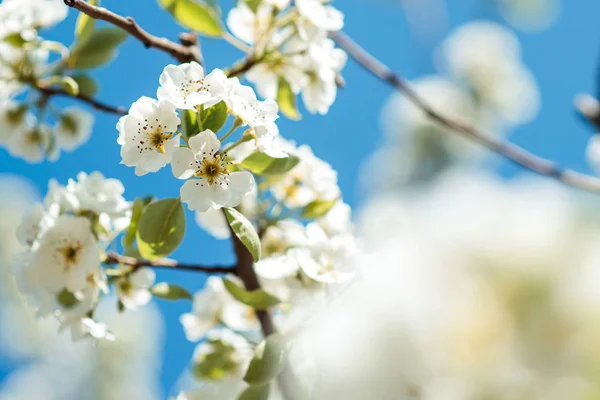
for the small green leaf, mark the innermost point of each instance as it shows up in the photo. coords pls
(252, 4)
(287, 100)
(263, 164)
(214, 118)
(66, 82)
(136, 213)
(244, 230)
(318, 208)
(267, 362)
(257, 299)
(256, 392)
(85, 24)
(188, 124)
(98, 49)
(169, 291)
(161, 228)
(87, 85)
(196, 15)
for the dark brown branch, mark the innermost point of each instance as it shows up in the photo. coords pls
(242, 67)
(180, 52)
(98, 105)
(245, 271)
(114, 258)
(504, 148)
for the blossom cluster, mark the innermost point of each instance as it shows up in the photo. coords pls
(24, 62)
(65, 237)
(291, 44)
(150, 135)
(483, 81)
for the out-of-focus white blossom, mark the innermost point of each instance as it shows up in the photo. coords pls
(32, 144)
(530, 15)
(213, 305)
(74, 128)
(24, 17)
(134, 289)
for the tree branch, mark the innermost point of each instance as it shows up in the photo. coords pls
(510, 151)
(182, 53)
(50, 92)
(114, 258)
(245, 271)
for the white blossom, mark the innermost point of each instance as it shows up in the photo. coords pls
(67, 254)
(186, 86)
(212, 186)
(14, 119)
(312, 179)
(23, 16)
(248, 25)
(317, 17)
(35, 223)
(147, 135)
(213, 305)
(487, 57)
(133, 289)
(19, 66)
(74, 128)
(32, 144)
(593, 153)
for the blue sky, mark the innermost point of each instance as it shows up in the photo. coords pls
(564, 60)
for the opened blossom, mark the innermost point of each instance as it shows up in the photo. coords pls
(32, 144)
(147, 135)
(209, 183)
(187, 87)
(133, 289)
(74, 128)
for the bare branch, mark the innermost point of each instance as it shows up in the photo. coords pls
(504, 148)
(50, 92)
(181, 52)
(114, 258)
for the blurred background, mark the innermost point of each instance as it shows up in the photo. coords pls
(482, 281)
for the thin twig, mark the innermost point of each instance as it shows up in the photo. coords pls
(242, 67)
(504, 148)
(181, 52)
(114, 258)
(50, 92)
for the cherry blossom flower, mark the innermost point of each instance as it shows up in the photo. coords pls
(213, 305)
(186, 86)
(147, 135)
(212, 185)
(27, 16)
(316, 18)
(67, 254)
(32, 144)
(133, 289)
(14, 119)
(74, 128)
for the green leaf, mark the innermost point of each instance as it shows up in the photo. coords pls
(214, 118)
(169, 291)
(244, 230)
(188, 124)
(252, 4)
(98, 49)
(196, 15)
(267, 362)
(263, 164)
(318, 208)
(87, 85)
(136, 213)
(66, 82)
(256, 392)
(287, 100)
(257, 299)
(161, 228)
(85, 24)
